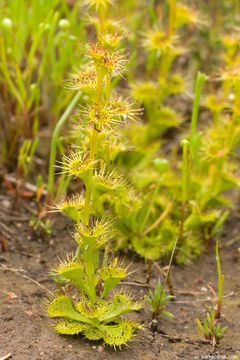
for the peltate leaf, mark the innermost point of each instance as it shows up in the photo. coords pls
(226, 182)
(93, 333)
(73, 271)
(119, 334)
(72, 212)
(63, 307)
(122, 304)
(69, 327)
(111, 276)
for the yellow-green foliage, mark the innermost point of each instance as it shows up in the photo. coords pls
(96, 314)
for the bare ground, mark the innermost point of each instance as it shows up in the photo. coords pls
(25, 330)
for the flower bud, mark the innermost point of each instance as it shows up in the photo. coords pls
(7, 24)
(64, 24)
(161, 165)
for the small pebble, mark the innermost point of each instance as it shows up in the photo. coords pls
(29, 313)
(12, 295)
(100, 349)
(6, 204)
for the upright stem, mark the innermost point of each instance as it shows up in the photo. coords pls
(102, 14)
(185, 171)
(185, 182)
(90, 271)
(201, 79)
(89, 253)
(93, 150)
(234, 118)
(236, 9)
(172, 17)
(89, 182)
(108, 86)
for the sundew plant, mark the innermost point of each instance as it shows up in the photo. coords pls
(189, 198)
(93, 312)
(163, 46)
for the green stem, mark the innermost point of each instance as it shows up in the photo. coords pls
(234, 118)
(108, 86)
(185, 171)
(236, 8)
(93, 150)
(54, 141)
(172, 17)
(166, 61)
(151, 61)
(152, 12)
(185, 183)
(89, 253)
(89, 182)
(102, 14)
(201, 79)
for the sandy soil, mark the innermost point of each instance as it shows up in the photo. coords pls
(25, 330)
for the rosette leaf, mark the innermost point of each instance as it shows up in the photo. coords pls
(69, 327)
(85, 308)
(120, 333)
(122, 303)
(93, 333)
(62, 306)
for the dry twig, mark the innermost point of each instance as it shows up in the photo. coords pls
(8, 356)
(159, 220)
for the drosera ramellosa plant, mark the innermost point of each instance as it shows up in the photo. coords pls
(192, 203)
(211, 328)
(163, 81)
(198, 202)
(93, 312)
